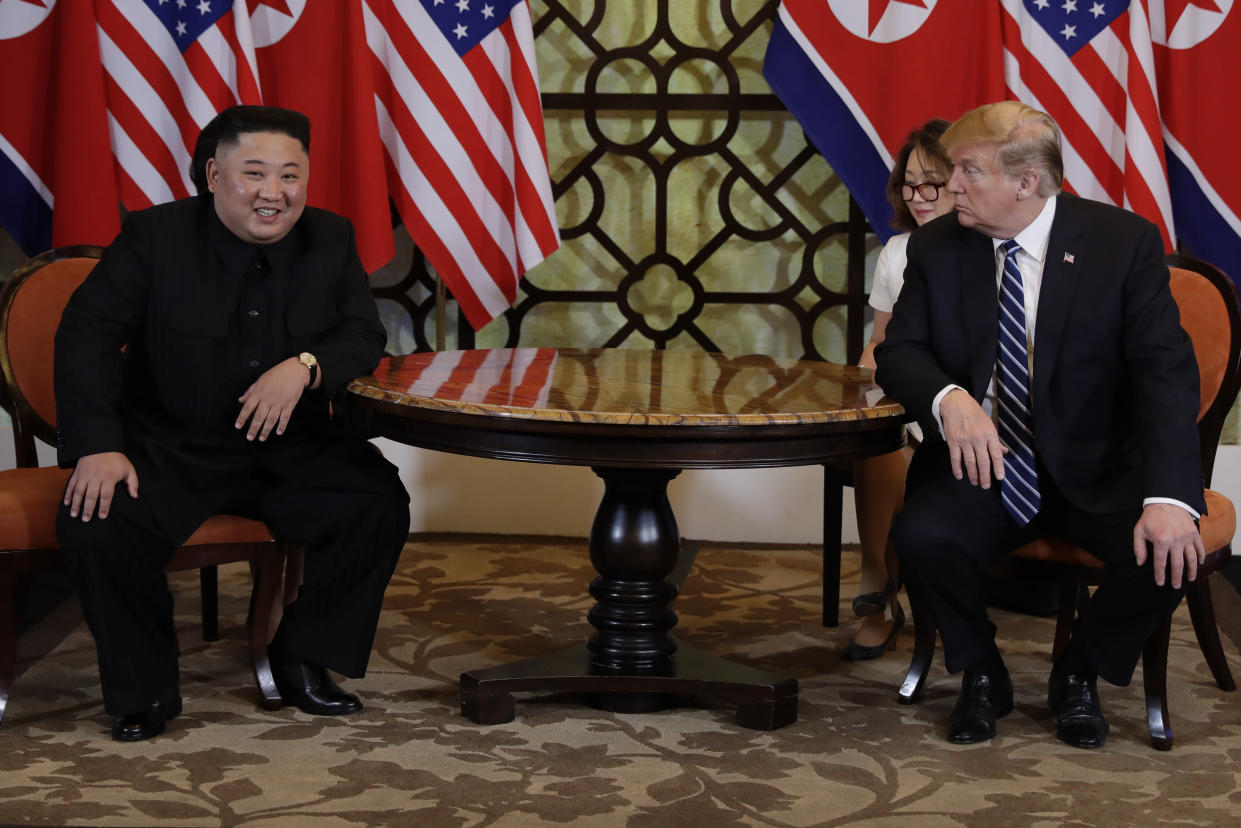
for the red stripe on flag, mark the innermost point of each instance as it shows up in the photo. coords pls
(539, 219)
(478, 184)
(1066, 113)
(150, 67)
(492, 86)
(449, 189)
(131, 119)
(440, 90)
(433, 247)
(246, 83)
(1141, 198)
(128, 189)
(208, 77)
(1103, 82)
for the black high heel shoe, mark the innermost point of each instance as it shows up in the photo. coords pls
(857, 652)
(870, 603)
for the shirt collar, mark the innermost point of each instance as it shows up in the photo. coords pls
(1034, 237)
(238, 254)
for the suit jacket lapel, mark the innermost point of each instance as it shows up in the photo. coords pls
(980, 308)
(1056, 293)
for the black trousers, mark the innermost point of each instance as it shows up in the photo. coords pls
(353, 536)
(948, 528)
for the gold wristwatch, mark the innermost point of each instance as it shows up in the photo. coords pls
(308, 359)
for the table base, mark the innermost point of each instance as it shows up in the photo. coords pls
(765, 700)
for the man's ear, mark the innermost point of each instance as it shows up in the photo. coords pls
(1027, 184)
(213, 174)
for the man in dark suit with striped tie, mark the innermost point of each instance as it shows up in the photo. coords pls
(1038, 343)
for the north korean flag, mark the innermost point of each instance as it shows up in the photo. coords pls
(312, 58)
(859, 74)
(1196, 49)
(57, 185)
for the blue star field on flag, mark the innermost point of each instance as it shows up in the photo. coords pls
(466, 22)
(185, 20)
(1073, 23)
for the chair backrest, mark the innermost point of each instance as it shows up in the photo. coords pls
(1211, 315)
(31, 302)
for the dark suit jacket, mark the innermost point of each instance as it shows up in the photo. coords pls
(164, 292)
(1115, 384)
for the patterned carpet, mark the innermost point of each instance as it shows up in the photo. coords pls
(854, 756)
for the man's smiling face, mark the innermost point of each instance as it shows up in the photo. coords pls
(259, 185)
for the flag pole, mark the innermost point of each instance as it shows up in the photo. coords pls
(441, 314)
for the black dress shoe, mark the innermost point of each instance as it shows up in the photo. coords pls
(309, 688)
(146, 724)
(854, 651)
(984, 698)
(1079, 718)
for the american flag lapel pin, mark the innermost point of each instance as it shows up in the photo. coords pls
(1069, 258)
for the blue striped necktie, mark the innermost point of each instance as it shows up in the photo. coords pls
(1019, 489)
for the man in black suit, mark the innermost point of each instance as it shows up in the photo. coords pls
(194, 369)
(1094, 403)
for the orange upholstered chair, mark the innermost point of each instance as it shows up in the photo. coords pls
(31, 302)
(1211, 314)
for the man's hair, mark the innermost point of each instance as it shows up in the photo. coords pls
(1023, 137)
(925, 141)
(226, 129)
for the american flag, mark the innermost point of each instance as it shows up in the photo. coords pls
(460, 118)
(1090, 65)
(171, 66)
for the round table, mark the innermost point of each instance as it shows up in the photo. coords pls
(637, 418)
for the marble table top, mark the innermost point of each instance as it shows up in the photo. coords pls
(628, 387)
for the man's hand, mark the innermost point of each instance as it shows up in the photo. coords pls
(973, 443)
(1174, 540)
(269, 402)
(93, 483)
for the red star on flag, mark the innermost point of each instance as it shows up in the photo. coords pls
(878, 8)
(1173, 9)
(281, 6)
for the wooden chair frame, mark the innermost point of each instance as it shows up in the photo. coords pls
(222, 539)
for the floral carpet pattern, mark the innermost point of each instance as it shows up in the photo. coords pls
(854, 756)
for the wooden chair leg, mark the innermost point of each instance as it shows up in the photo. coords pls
(267, 567)
(1155, 685)
(1067, 592)
(833, 517)
(8, 634)
(209, 585)
(924, 650)
(1202, 614)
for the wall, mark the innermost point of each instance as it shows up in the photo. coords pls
(466, 494)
